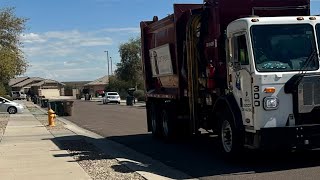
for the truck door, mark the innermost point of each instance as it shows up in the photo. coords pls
(241, 76)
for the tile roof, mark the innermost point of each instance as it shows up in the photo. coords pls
(46, 81)
(71, 83)
(27, 82)
(17, 80)
(101, 81)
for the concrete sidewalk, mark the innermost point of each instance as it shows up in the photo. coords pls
(28, 152)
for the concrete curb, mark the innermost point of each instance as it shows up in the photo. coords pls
(144, 165)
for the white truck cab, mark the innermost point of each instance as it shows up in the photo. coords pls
(273, 67)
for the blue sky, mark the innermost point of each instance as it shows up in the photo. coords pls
(65, 40)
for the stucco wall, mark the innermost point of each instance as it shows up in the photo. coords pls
(49, 92)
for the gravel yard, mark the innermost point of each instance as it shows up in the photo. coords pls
(4, 118)
(98, 165)
(44, 120)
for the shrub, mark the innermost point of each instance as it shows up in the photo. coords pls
(8, 97)
(2, 90)
(139, 94)
(123, 94)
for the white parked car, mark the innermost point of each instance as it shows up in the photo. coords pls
(18, 95)
(111, 97)
(10, 106)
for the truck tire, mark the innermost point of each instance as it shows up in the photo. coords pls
(155, 121)
(231, 139)
(168, 124)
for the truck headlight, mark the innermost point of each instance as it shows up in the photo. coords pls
(270, 103)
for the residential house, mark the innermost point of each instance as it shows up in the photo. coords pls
(72, 88)
(38, 86)
(23, 83)
(48, 88)
(15, 81)
(97, 86)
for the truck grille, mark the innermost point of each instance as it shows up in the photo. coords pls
(309, 93)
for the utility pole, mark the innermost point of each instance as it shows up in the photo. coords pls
(111, 65)
(107, 63)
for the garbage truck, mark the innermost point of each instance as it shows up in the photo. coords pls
(245, 70)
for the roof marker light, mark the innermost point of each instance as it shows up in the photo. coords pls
(254, 20)
(312, 18)
(300, 18)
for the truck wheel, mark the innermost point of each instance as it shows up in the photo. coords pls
(230, 138)
(167, 117)
(154, 117)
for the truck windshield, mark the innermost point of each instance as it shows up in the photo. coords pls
(282, 48)
(318, 34)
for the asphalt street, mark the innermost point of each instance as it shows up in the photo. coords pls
(197, 156)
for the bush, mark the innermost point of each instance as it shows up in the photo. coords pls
(139, 94)
(5, 89)
(8, 97)
(2, 90)
(123, 94)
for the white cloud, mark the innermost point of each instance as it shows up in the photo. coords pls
(62, 43)
(73, 54)
(32, 38)
(77, 70)
(128, 30)
(77, 74)
(75, 62)
(63, 34)
(65, 73)
(47, 50)
(68, 38)
(93, 42)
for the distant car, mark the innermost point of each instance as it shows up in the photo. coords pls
(111, 97)
(10, 106)
(18, 95)
(100, 93)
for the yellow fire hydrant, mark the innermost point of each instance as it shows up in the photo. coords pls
(51, 117)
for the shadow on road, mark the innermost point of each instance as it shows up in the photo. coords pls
(198, 157)
(81, 150)
(140, 106)
(113, 104)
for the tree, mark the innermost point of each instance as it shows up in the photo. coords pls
(120, 86)
(12, 60)
(130, 69)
